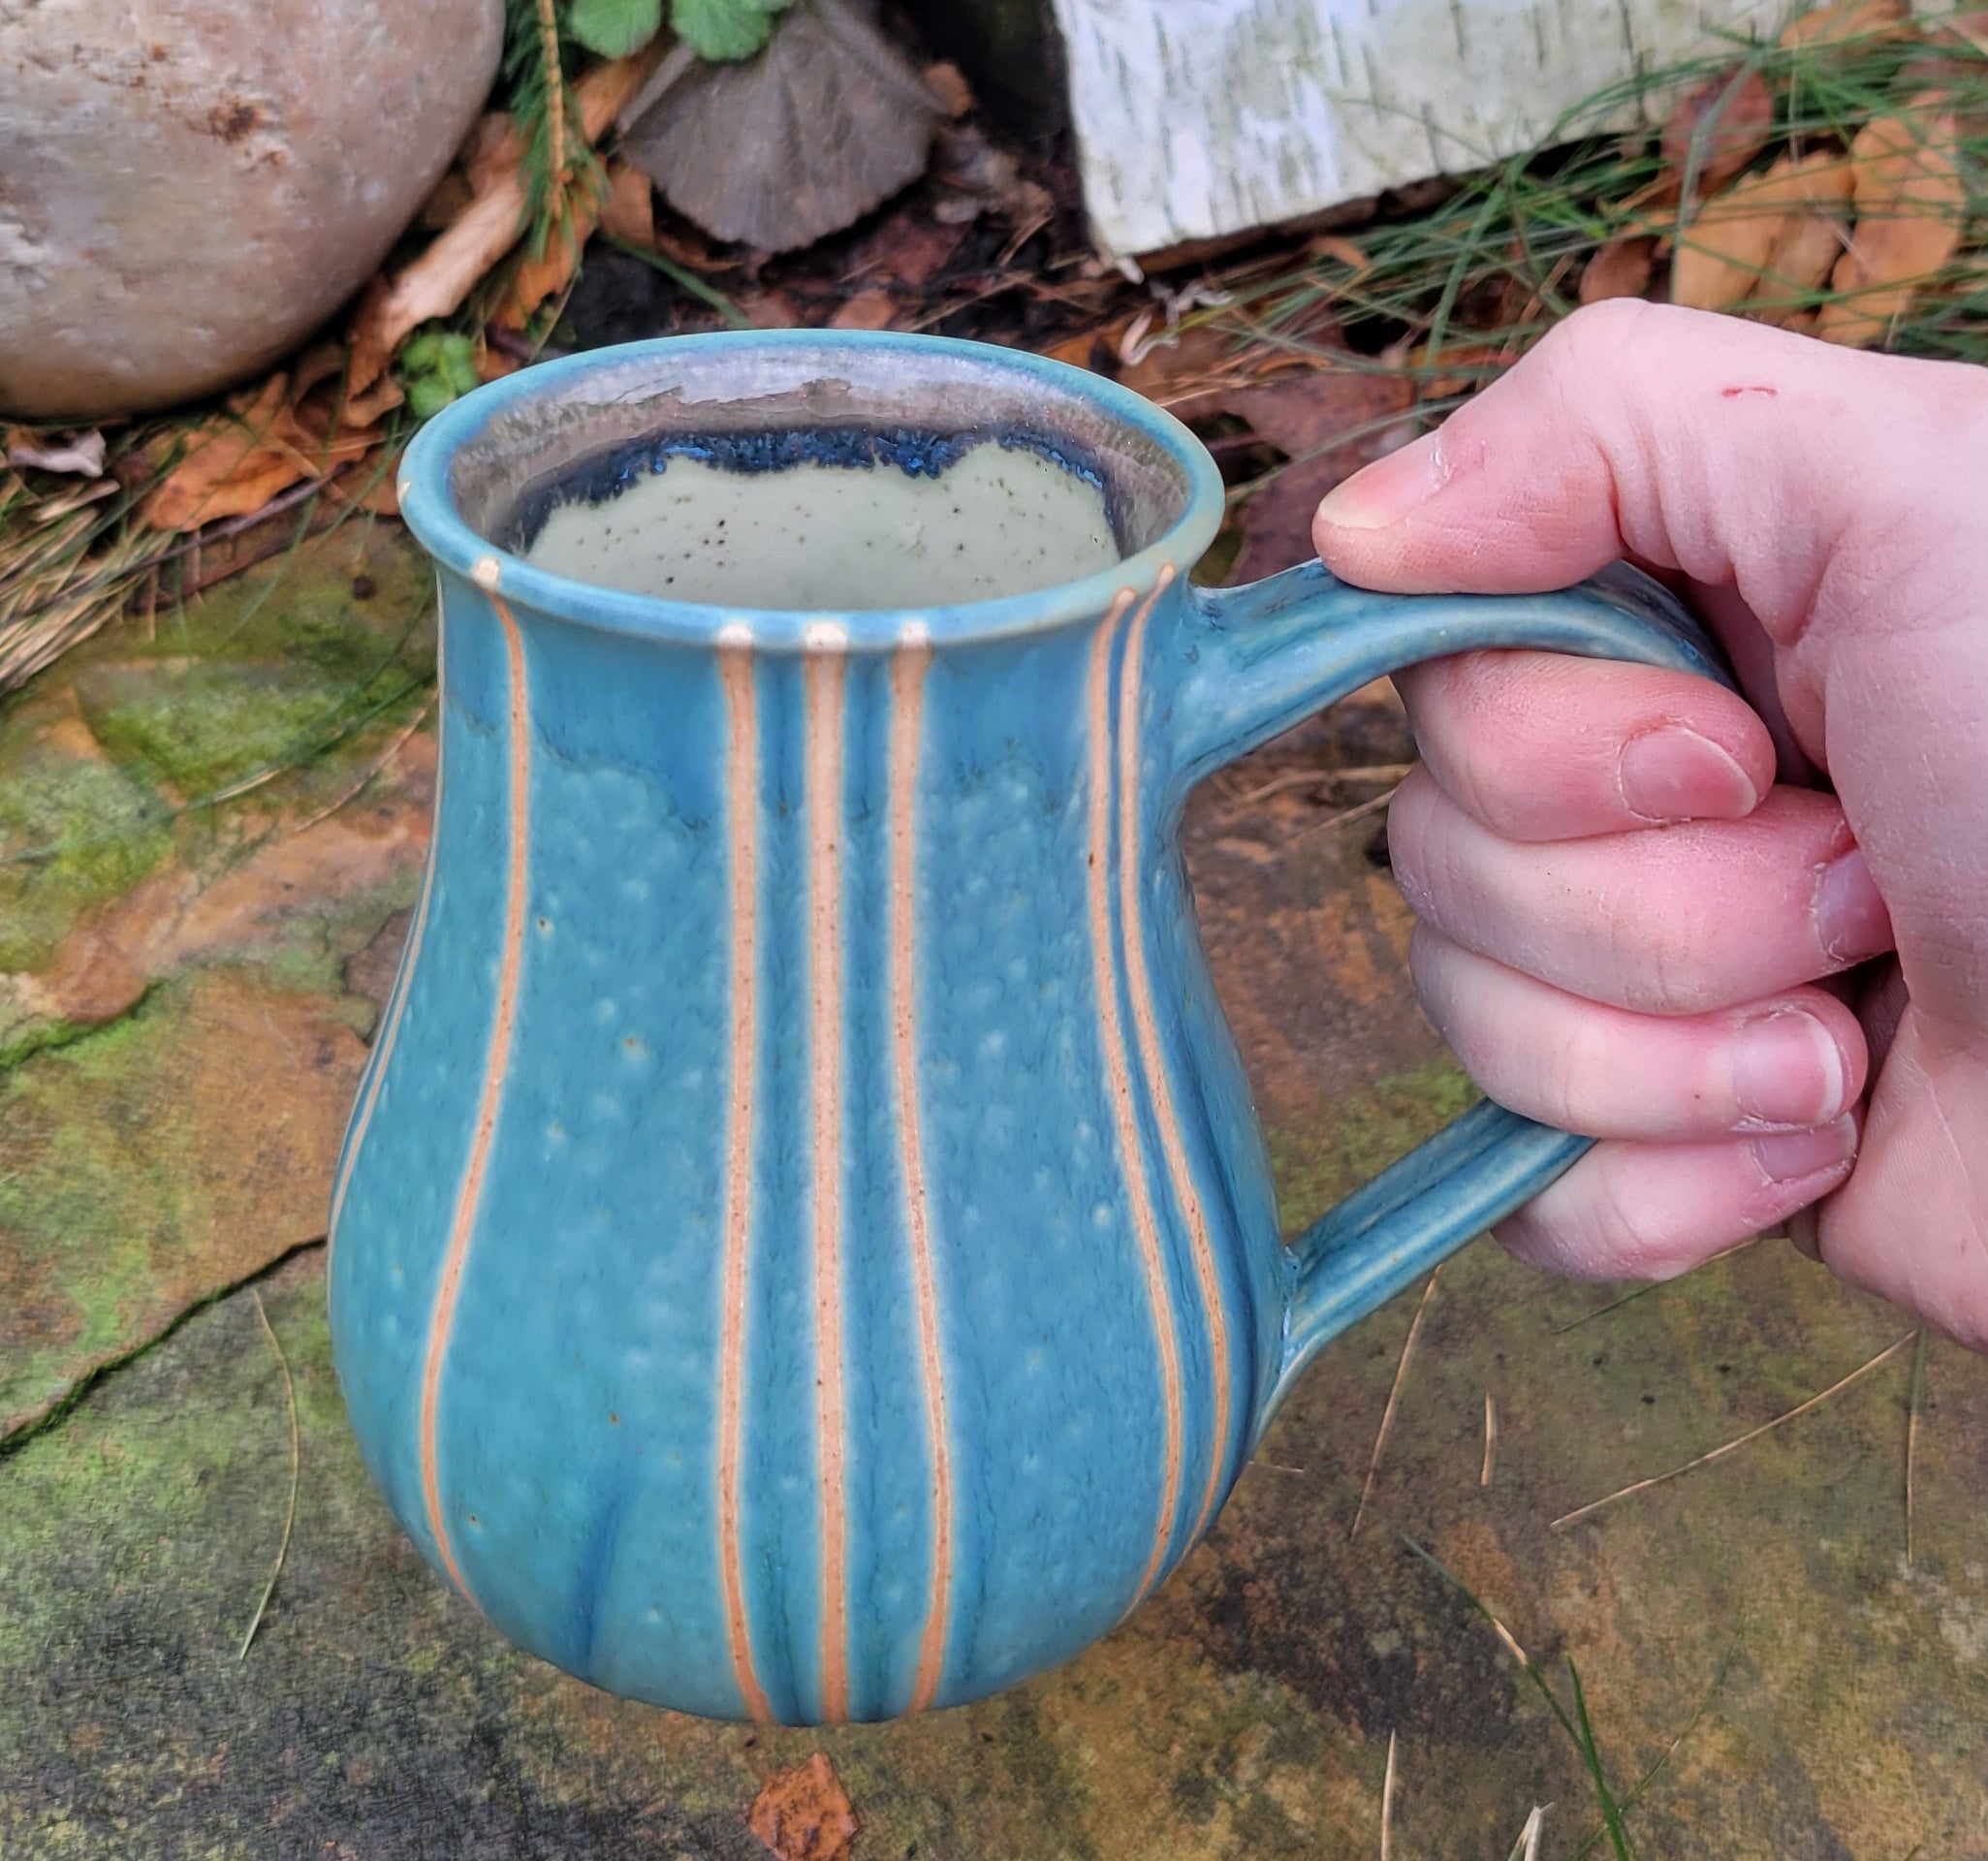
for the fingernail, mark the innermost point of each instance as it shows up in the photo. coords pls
(1388, 489)
(1672, 774)
(1852, 922)
(1788, 1069)
(1787, 1156)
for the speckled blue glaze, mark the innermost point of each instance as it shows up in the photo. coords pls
(804, 1248)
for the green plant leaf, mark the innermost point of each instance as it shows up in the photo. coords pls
(614, 29)
(721, 30)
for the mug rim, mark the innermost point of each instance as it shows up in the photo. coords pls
(428, 508)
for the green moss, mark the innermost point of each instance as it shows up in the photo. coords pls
(73, 832)
(1369, 1129)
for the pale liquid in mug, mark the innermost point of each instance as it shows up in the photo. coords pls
(998, 520)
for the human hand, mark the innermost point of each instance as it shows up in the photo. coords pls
(1625, 928)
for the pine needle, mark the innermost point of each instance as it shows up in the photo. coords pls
(296, 1463)
(1393, 1396)
(1728, 1447)
(1912, 1407)
(1527, 1847)
(1489, 1438)
(1654, 1286)
(1387, 1799)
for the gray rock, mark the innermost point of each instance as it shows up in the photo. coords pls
(189, 187)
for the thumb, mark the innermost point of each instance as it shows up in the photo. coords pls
(1736, 453)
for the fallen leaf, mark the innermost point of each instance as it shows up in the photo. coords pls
(1844, 22)
(490, 150)
(865, 310)
(1746, 239)
(1809, 243)
(772, 310)
(1305, 417)
(805, 1815)
(1621, 268)
(1715, 129)
(361, 410)
(948, 83)
(1910, 202)
(493, 364)
(446, 204)
(629, 212)
(1176, 367)
(908, 249)
(1335, 245)
(234, 462)
(538, 278)
(80, 455)
(437, 282)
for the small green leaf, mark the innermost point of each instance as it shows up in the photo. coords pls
(724, 29)
(428, 395)
(614, 29)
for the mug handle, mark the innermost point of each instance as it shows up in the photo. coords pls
(1261, 658)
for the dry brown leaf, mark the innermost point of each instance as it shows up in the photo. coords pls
(1336, 245)
(436, 283)
(446, 204)
(805, 1815)
(547, 276)
(629, 212)
(1715, 129)
(907, 249)
(1746, 241)
(772, 310)
(948, 83)
(236, 462)
(1845, 20)
(490, 150)
(1307, 417)
(382, 398)
(1910, 202)
(493, 364)
(1621, 268)
(865, 310)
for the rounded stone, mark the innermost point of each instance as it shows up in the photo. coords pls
(189, 187)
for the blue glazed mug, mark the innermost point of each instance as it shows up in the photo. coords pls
(803, 1249)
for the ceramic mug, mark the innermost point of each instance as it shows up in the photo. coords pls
(803, 1249)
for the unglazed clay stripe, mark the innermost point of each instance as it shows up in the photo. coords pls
(383, 1052)
(1118, 1068)
(826, 668)
(469, 1198)
(1146, 1025)
(741, 810)
(908, 696)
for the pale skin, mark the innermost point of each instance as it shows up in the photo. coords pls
(1743, 943)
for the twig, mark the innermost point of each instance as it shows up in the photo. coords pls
(1913, 1435)
(1489, 1438)
(386, 756)
(1387, 1799)
(296, 1461)
(1752, 1434)
(1394, 1395)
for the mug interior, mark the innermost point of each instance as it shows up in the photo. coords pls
(580, 429)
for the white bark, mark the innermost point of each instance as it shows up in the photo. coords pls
(1199, 117)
